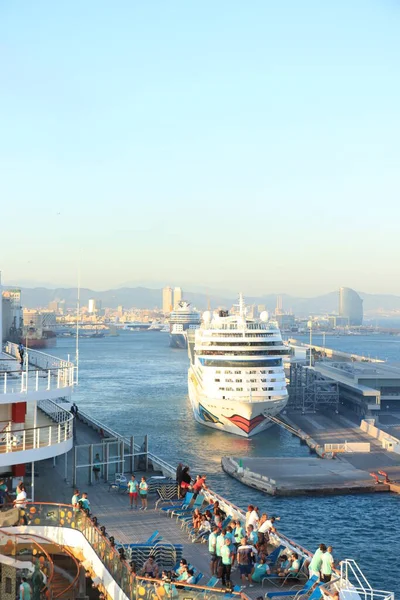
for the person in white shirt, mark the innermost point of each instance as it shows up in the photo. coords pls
(21, 501)
(251, 517)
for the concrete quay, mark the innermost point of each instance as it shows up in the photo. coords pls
(347, 473)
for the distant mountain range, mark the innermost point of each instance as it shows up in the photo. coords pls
(143, 297)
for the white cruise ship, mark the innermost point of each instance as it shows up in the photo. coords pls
(236, 378)
(182, 319)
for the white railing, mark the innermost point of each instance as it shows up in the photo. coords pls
(353, 580)
(48, 373)
(16, 440)
(38, 359)
(53, 410)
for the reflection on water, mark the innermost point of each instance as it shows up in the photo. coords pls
(137, 384)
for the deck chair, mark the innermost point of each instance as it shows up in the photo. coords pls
(169, 510)
(316, 594)
(226, 522)
(197, 578)
(153, 538)
(185, 511)
(300, 574)
(276, 580)
(295, 593)
(273, 557)
(212, 582)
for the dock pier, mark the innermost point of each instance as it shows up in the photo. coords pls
(344, 457)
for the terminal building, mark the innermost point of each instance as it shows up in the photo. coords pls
(366, 388)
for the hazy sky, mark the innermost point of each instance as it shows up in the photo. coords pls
(245, 145)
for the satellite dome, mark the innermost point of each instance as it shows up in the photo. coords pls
(207, 316)
(264, 316)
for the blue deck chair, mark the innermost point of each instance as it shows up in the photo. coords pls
(153, 538)
(226, 522)
(197, 578)
(184, 503)
(307, 587)
(316, 594)
(212, 582)
(273, 557)
(185, 511)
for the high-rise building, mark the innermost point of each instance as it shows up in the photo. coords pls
(177, 296)
(92, 306)
(167, 300)
(350, 306)
(54, 306)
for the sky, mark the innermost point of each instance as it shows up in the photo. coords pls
(238, 145)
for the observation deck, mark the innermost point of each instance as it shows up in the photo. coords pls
(32, 425)
(41, 376)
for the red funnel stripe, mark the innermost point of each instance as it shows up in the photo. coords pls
(246, 425)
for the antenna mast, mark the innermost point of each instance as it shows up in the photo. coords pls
(77, 328)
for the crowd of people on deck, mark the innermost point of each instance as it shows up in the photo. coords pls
(246, 545)
(233, 544)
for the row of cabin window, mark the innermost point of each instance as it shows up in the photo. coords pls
(240, 389)
(228, 372)
(250, 380)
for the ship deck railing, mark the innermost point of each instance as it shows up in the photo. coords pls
(39, 372)
(129, 526)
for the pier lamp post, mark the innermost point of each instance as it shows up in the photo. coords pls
(310, 328)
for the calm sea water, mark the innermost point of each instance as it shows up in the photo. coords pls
(137, 384)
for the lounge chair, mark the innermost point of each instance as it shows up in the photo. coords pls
(295, 593)
(168, 510)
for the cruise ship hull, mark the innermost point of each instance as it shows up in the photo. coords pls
(178, 340)
(245, 419)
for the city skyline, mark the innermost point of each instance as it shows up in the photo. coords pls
(249, 147)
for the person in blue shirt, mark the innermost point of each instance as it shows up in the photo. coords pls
(133, 488)
(84, 502)
(226, 560)
(252, 535)
(238, 533)
(261, 569)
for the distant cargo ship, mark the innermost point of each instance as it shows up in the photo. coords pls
(38, 338)
(182, 320)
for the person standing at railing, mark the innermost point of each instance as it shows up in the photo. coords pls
(75, 501)
(97, 468)
(21, 354)
(327, 565)
(179, 470)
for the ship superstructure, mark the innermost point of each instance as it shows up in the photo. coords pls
(183, 319)
(236, 378)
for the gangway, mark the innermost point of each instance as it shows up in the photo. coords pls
(282, 423)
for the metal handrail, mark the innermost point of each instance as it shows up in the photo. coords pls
(119, 569)
(34, 438)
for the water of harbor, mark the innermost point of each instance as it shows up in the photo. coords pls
(137, 384)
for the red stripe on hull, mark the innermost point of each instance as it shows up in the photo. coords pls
(246, 425)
